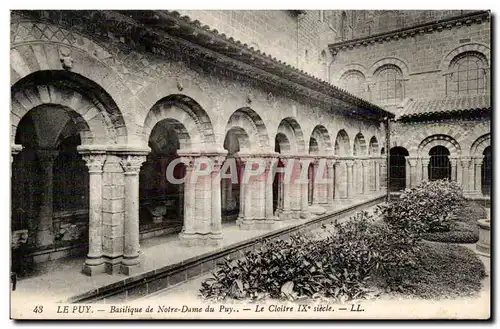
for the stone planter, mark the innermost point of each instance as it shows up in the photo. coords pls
(484, 243)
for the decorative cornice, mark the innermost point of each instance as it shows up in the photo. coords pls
(409, 32)
(168, 29)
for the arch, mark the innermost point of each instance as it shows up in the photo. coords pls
(179, 108)
(322, 137)
(397, 168)
(313, 146)
(475, 47)
(486, 171)
(282, 144)
(395, 61)
(253, 125)
(480, 145)
(439, 163)
(444, 140)
(468, 73)
(292, 130)
(374, 148)
(47, 58)
(353, 81)
(240, 138)
(349, 67)
(342, 144)
(93, 111)
(359, 147)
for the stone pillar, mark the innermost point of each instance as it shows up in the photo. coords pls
(316, 184)
(131, 164)
(257, 213)
(376, 173)
(453, 174)
(383, 175)
(366, 165)
(292, 189)
(94, 264)
(269, 179)
(467, 175)
(304, 163)
(202, 196)
(216, 224)
(478, 161)
(331, 182)
(408, 173)
(412, 166)
(45, 234)
(349, 185)
(425, 168)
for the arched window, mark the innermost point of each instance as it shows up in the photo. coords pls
(468, 74)
(354, 82)
(439, 164)
(397, 166)
(486, 169)
(389, 84)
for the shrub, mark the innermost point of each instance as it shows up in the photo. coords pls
(429, 207)
(338, 266)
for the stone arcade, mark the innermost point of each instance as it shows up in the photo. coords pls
(103, 101)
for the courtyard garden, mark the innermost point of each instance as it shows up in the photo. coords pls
(408, 246)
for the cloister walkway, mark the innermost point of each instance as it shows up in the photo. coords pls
(61, 279)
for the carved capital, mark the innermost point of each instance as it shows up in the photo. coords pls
(94, 161)
(131, 163)
(466, 162)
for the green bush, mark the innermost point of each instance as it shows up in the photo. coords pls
(429, 207)
(338, 266)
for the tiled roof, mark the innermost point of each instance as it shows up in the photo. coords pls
(425, 107)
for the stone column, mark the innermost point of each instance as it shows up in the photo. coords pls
(366, 165)
(216, 224)
(453, 174)
(316, 184)
(258, 195)
(478, 161)
(304, 167)
(94, 264)
(45, 234)
(131, 164)
(425, 168)
(268, 186)
(330, 175)
(412, 166)
(376, 173)
(383, 175)
(349, 186)
(408, 172)
(467, 175)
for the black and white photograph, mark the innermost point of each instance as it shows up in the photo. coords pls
(250, 164)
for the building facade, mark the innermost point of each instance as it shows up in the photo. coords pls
(432, 69)
(103, 102)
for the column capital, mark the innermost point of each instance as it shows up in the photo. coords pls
(478, 159)
(425, 160)
(349, 162)
(15, 149)
(131, 163)
(94, 160)
(412, 161)
(465, 161)
(47, 156)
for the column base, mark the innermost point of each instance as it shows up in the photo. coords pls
(199, 239)
(304, 215)
(256, 223)
(93, 269)
(44, 237)
(113, 265)
(130, 266)
(316, 209)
